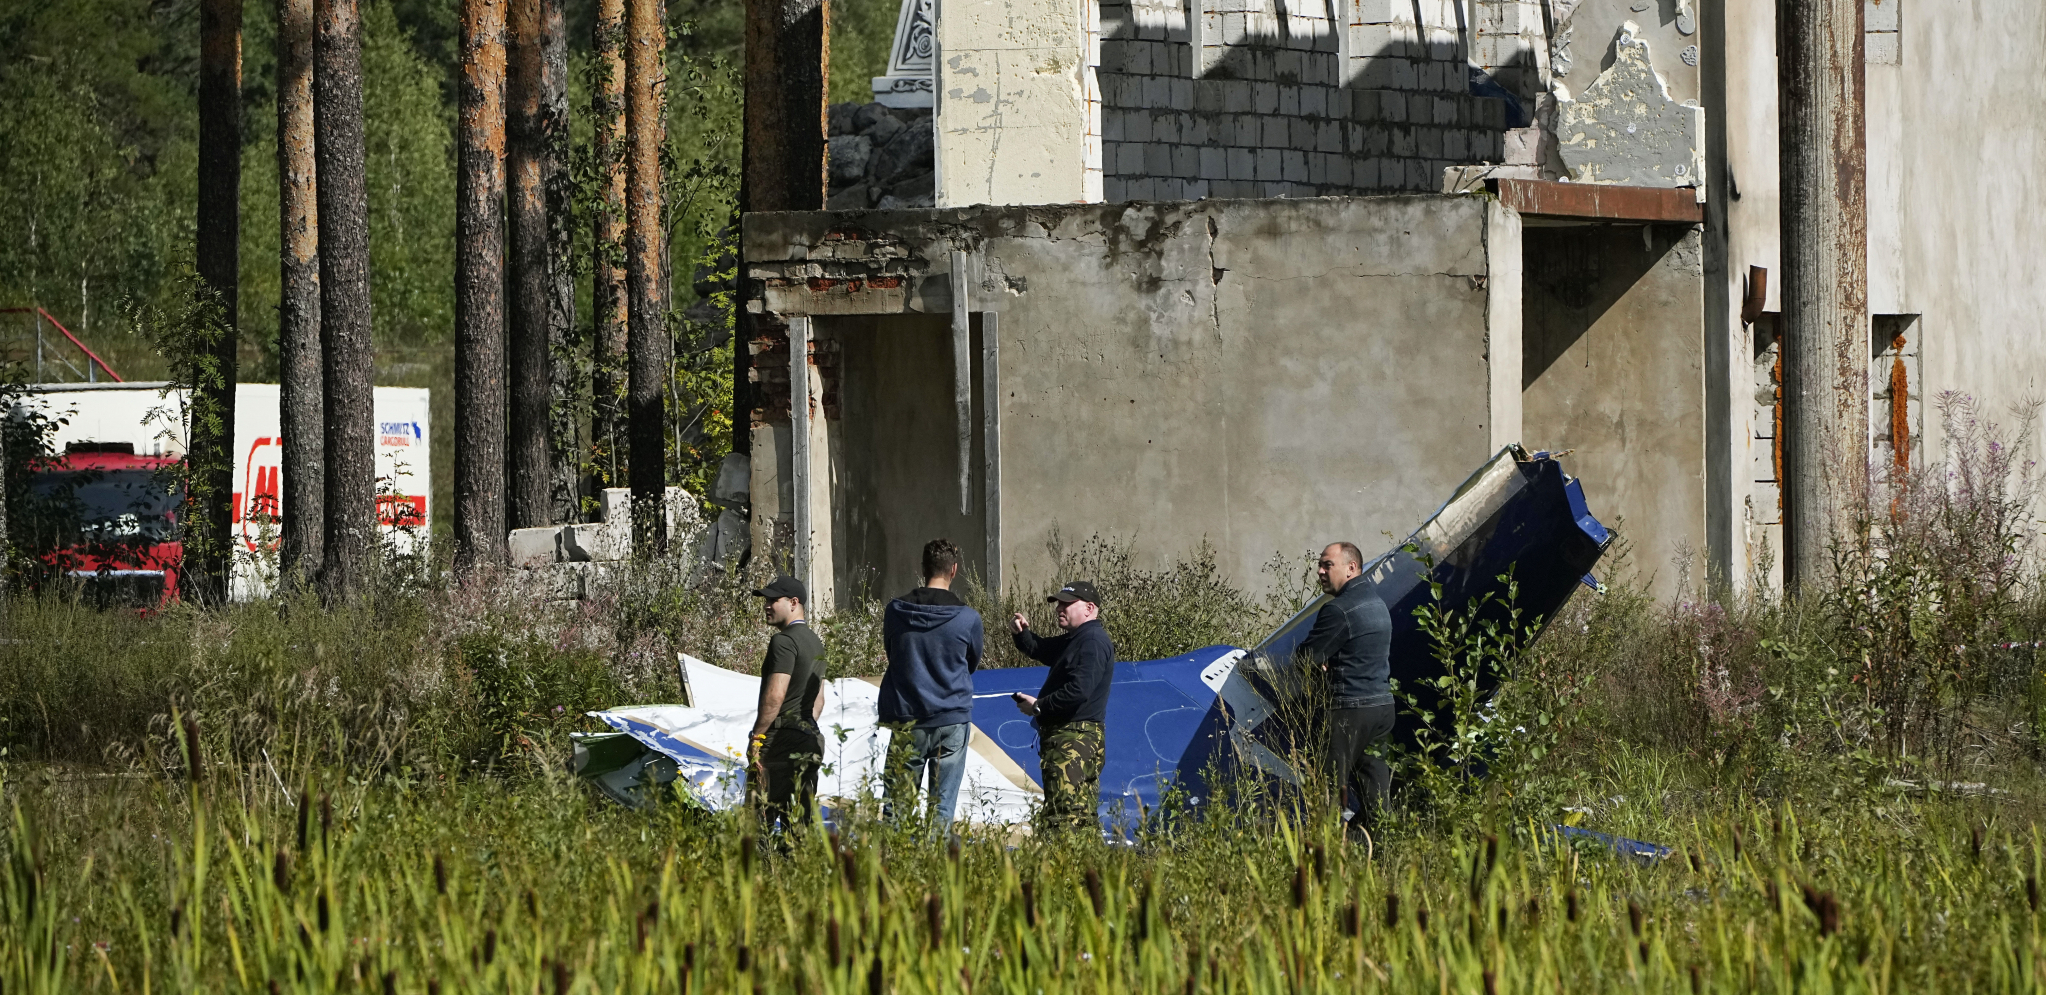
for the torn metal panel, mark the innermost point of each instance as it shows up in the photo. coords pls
(1626, 128)
(1171, 722)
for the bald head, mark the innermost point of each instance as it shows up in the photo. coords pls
(1339, 563)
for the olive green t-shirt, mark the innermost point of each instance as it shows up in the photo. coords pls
(797, 652)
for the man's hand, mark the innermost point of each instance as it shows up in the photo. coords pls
(1025, 703)
(1018, 623)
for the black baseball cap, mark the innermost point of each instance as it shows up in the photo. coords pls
(784, 586)
(1079, 590)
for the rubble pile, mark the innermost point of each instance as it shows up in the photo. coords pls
(880, 157)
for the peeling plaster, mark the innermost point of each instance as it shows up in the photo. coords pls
(1627, 129)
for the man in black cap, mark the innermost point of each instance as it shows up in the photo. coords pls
(1352, 641)
(786, 747)
(1071, 706)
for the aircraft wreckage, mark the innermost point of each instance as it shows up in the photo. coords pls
(1171, 722)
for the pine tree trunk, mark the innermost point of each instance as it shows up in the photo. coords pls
(298, 313)
(607, 298)
(349, 394)
(562, 402)
(209, 457)
(479, 292)
(647, 332)
(526, 327)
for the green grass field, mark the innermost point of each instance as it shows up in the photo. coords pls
(282, 797)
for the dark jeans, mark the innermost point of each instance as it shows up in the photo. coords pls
(940, 753)
(1352, 732)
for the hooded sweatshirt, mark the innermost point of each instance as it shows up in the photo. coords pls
(933, 644)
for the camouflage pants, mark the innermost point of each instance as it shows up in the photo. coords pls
(793, 753)
(1070, 757)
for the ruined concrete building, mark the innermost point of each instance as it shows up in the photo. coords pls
(1267, 274)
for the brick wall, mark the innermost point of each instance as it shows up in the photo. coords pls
(1257, 98)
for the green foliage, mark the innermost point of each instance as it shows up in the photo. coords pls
(862, 31)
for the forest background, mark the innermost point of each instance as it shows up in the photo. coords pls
(99, 166)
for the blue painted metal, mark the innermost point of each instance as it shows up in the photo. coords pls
(1518, 513)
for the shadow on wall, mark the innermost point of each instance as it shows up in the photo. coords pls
(1577, 274)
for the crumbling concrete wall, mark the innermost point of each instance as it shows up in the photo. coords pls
(1263, 375)
(1614, 369)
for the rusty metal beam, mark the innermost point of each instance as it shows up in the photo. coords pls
(1601, 202)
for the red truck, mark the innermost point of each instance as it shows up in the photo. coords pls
(101, 514)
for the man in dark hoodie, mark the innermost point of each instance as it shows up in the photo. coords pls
(1071, 706)
(934, 645)
(1352, 641)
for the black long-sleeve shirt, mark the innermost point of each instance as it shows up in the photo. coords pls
(1082, 665)
(1352, 636)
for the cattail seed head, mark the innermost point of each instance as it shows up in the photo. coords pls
(653, 911)
(1635, 916)
(1300, 886)
(934, 918)
(1570, 905)
(1353, 920)
(489, 946)
(440, 875)
(1392, 909)
(563, 978)
(1143, 933)
(195, 761)
(874, 985)
(639, 933)
(688, 957)
(1697, 980)
(1975, 840)
(275, 988)
(305, 817)
(952, 851)
(1534, 909)
(1421, 915)
(850, 865)
(1737, 843)
(744, 958)
(433, 986)
(326, 815)
(1491, 854)
(1094, 895)
(280, 872)
(321, 912)
(2032, 892)
(1030, 904)
(532, 904)
(1320, 855)
(177, 918)
(1491, 983)
(747, 844)
(831, 942)
(390, 980)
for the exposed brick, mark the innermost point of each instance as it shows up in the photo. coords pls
(1129, 159)
(1115, 189)
(1157, 92)
(1314, 101)
(1182, 93)
(1208, 97)
(1364, 174)
(1428, 142)
(1379, 140)
(1339, 169)
(1328, 137)
(1265, 98)
(1111, 125)
(1274, 133)
(1214, 163)
(1196, 129)
(1269, 166)
(1293, 166)
(1186, 161)
(1455, 145)
(1242, 164)
(1300, 133)
(1238, 96)
(1136, 126)
(1317, 168)
(1136, 58)
(1287, 67)
(1157, 159)
(1289, 99)
(1445, 110)
(1402, 143)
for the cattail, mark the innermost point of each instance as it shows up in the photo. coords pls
(745, 958)
(1534, 909)
(1502, 917)
(489, 946)
(1191, 979)
(433, 986)
(1144, 914)
(2032, 892)
(1030, 904)
(177, 918)
(952, 851)
(320, 908)
(1300, 886)
(275, 988)
(1769, 889)
(305, 816)
(1320, 860)
(850, 865)
(1570, 905)
(305, 939)
(195, 762)
(1635, 916)
(1491, 854)
(563, 978)
(1491, 983)
(390, 983)
(934, 917)
(1421, 915)
(831, 942)
(1697, 862)
(1094, 895)
(1825, 907)
(532, 904)
(280, 872)
(746, 846)
(1392, 909)
(653, 912)
(1736, 843)
(326, 815)
(440, 875)
(1697, 980)
(874, 986)
(1353, 920)
(1975, 840)
(639, 933)
(1776, 824)
(1642, 949)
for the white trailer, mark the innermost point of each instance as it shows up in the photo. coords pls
(151, 418)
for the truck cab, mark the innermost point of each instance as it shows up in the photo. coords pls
(105, 516)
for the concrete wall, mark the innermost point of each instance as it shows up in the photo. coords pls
(1263, 375)
(1614, 369)
(1013, 93)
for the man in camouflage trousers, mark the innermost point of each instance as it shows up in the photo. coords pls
(1070, 707)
